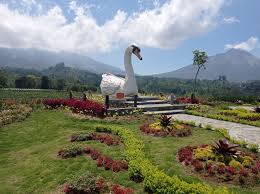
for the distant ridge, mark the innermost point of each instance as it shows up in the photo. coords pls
(39, 60)
(237, 65)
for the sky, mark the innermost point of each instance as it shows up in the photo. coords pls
(167, 31)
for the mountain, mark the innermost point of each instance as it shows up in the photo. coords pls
(59, 71)
(72, 74)
(39, 59)
(237, 65)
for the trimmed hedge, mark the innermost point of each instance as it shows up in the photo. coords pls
(156, 180)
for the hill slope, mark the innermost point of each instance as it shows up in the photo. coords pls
(39, 59)
(236, 65)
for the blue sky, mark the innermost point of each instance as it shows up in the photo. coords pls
(166, 30)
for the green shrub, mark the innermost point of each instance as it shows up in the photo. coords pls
(71, 150)
(235, 164)
(102, 129)
(253, 147)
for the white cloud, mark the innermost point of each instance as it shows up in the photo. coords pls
(230, 20)
(247, 45)
(164, 26)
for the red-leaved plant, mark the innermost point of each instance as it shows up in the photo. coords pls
(87, 107)
(117, 189)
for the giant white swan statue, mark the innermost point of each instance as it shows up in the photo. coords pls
(111, 84)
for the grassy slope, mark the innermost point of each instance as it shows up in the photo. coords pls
(28, 154)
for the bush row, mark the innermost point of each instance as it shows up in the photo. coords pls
(87, 107)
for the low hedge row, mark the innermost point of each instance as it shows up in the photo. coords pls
(156, 180)
(223, 118)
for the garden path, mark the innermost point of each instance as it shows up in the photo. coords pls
(250, 134)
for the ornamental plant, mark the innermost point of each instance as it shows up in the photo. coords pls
(87, 107)
(105, 161)
(117, 189)
(225, 149)
(85, 184)
(165, 121)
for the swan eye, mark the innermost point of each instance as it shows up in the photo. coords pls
(136, 48)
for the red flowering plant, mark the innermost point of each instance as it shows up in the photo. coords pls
(186, 100)
(222, 162)
(105, 161)
(87, 107)
(103, 138)
(117, 189)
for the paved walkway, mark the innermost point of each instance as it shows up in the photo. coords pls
(238, 131)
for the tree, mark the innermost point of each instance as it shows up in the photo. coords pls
(199, 60)
(30, 81)
(3, 79)
(60, 84)
(45, 82)
(20, 82)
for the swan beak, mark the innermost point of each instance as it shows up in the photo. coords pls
(137, 53)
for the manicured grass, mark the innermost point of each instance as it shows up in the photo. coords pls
(29, 162)
(220, 112)
(28, 155)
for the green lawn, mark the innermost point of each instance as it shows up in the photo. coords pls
(29, 162)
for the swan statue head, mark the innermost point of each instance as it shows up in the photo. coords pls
(136, 51)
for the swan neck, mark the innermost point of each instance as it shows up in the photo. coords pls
(128, 57)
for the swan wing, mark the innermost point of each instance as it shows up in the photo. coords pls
(111, 84)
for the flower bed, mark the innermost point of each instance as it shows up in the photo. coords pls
(222, 162)
(90, 184)
(103, 138)
(14, 112)
(102, 160)
(165, 127)
(87, 107)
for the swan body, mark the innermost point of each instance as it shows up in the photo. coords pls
(111, 84)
